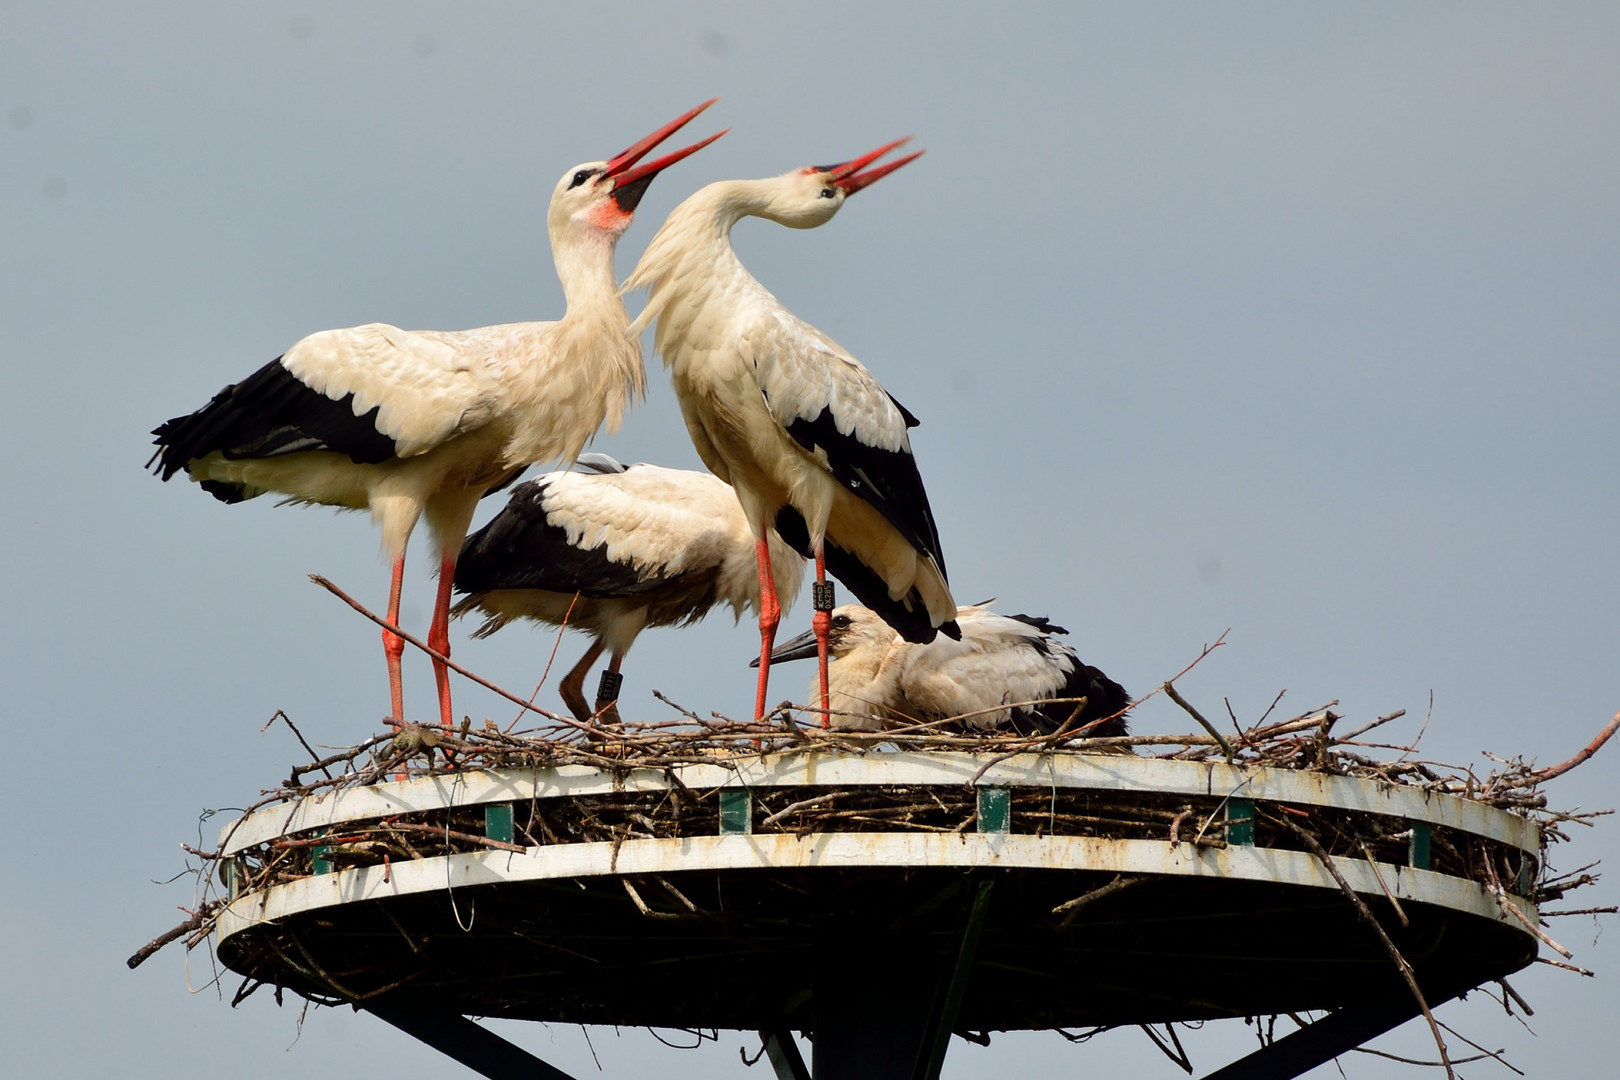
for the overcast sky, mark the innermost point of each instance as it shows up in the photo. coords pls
(1297, 321)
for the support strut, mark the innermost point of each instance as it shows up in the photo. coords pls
(453, 1035)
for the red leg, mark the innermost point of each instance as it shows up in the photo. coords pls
(439, 638)
(394, 645)
(770, 614)
(821, 622)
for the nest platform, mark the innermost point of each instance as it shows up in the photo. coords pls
(880, 900)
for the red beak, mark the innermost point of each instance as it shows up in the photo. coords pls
(629, 184)
(849, 177)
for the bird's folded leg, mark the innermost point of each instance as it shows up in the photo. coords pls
(572, 687)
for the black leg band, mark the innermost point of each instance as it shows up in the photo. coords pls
(608, 689)
(821, 595)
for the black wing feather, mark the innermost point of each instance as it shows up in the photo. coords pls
(1103, 695)
(268, 414)
(908, 615)
(521, 548)
(886, 479)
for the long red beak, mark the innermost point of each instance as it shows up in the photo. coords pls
(629, 184)
(849, 177)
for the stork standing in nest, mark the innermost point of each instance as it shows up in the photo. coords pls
(610, 552)
(1006, 671)
(811, 442)
(410, 423)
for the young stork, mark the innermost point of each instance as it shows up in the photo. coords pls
(405, 423)
(1005, 671)
(611, 552)
(811, 442)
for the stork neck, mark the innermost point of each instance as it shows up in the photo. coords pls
(585, 267)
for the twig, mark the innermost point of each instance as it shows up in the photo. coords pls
(1566, 967)
(1510, 908)
(1380, 722)
(1396, 904)
(1524, 1006)
(1070, 908)
(1419, 1061)
(310, 750)
(1543, 775)
(1580, 911)
(196, 922)
(1220, 740)
(1372, 920)
(443, 659)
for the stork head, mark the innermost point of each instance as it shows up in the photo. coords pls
(851, 627)
(805, 198)
(603, 195)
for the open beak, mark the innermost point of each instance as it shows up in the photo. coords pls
(849, 177)
(630, 180)
(797, 649)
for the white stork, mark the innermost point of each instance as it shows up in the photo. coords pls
(987, 678)
(811, 442)
(611, 552)
(405, 423)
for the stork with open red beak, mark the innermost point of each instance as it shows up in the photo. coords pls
(810, 441)
(411, 422)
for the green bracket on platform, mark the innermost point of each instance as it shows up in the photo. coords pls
(1240, 822)
(736, 812)
(1525, 883)
(995, 810)
(498, 823)
(317, 856)
(1418, 850)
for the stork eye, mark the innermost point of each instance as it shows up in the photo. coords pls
(840, 622)
(828, 193)
(580, 177)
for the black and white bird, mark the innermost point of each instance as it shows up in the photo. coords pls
(407, 423)
(1006, 672)
(611, 552)
(811, 442)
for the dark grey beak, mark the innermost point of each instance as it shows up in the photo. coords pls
(797, 649)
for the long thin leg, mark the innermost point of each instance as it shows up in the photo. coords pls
(821, 623)
(572, 687)
(770, 614)
(439, 637)
(448, 513)
(394, 645)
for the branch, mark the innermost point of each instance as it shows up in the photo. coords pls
(446, 661)
(1542, 775)
(1372, 920)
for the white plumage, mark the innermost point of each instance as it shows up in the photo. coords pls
(1006, 671)
(411, 423)
(811, 442)
(612, 552)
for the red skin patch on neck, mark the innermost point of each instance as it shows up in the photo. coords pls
(607, 215)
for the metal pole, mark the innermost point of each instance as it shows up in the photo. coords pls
(453, 1035)
(871, 1009)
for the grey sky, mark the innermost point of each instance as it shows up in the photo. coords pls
(1297, 321)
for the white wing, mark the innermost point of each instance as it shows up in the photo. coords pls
(426, 385)
(999, 661)
(803, 374)
(663, 522)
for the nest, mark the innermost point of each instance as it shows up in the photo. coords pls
(1315, 741)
